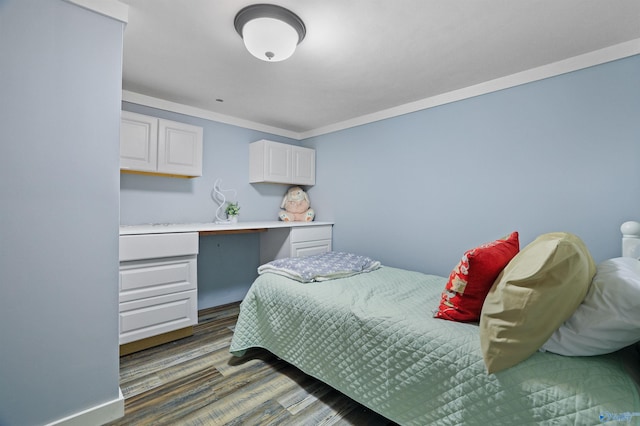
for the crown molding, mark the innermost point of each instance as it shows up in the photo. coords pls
(111, 8)
(140, 99)
(597, 57)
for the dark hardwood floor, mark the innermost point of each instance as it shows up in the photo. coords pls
(196, 381)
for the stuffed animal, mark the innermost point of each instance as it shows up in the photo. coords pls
(296, 206)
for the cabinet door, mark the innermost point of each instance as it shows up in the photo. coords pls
(138, 142)
(179, 148)
(310, 240)
(277, 162)
(304, 165)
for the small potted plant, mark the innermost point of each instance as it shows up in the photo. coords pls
(232, 210)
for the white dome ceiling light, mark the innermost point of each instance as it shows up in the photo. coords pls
(270, 32)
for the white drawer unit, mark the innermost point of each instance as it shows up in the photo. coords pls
(158, 284)
(141, 279)
(149, 317)
(154, 246)
(298, 241)
(310, 233)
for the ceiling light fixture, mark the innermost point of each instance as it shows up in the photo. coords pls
(270, 32)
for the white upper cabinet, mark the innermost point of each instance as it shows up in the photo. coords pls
(138, 142)
(157, 146)
(304, 165)
(281, 163)
(179, 148)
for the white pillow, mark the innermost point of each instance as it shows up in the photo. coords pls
(609, 317)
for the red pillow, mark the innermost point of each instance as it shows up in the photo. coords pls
(471, 279)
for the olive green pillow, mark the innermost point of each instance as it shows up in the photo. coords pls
(535, 293)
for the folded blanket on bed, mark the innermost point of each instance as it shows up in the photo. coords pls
(321, 267)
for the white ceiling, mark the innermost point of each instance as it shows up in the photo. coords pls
(359, 57)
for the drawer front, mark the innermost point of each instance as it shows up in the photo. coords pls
(151, 246)
(142, 279)
(156, 315)
(310, 248)
(310, 233)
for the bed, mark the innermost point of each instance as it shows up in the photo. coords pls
(373, 336)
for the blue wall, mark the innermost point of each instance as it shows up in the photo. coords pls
(60, 91)
(559, 154)
(417, 190)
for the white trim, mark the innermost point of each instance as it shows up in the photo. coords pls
(98, 415)
(111, 8)
(140, 99)
(575, 63)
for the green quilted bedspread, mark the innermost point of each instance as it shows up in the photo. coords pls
(373, 337)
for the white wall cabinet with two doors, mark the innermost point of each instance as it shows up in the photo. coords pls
(152, 145)
(277, 162)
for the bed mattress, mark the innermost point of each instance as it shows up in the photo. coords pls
(373, 337)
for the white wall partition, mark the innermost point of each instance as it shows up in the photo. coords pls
(60, 90)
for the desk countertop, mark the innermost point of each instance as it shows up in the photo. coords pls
(211, 227)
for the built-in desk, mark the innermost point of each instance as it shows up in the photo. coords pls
(158, 271)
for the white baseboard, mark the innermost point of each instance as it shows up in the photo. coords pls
(98, 415)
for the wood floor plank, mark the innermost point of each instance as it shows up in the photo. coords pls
(168, 404)
(306, 394)
(191, 348)
(144, 383)
(267, 413)
(217, 313)
(327, 410)
(196, 381)
(228, 364)
(235, 404)
(172, 402)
